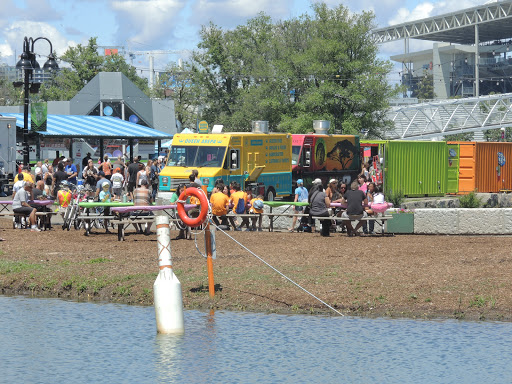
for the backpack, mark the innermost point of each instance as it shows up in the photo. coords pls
(240, 206)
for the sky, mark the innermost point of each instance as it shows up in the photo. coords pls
(174, 25)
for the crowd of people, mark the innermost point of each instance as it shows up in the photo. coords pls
(356, 198)
(138, 182)
(103, 182)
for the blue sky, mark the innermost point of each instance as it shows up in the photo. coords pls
(145, 25)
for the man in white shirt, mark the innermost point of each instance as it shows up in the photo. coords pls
(20, 205)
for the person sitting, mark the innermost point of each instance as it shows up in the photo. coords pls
(235, 197)
(319, 204)
(220, 203)
(369, 211)
(90, 174)
(39, 193)
(20, 205)
(18, 184)
(354, 198)
(256, 209)
(142, 197)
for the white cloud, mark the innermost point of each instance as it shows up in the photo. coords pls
(230, 13)
(146, 22)
(429, 9)
(16, 32)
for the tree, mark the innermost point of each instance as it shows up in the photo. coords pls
(425, 89)
(177, 83)
(293, 72)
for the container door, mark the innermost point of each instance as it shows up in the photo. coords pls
(467, 162)
(453, 168)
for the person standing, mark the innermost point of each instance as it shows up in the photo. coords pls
(133, 169)
(85, 160)
(319, 204)
(71, 171)
(106, 167)
(154, 177)
(301, 195)
(117, 180)
(58, 178)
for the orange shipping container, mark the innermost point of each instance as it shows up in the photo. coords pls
(493, 167)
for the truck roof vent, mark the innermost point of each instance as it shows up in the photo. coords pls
(260, 126)
(321, 127)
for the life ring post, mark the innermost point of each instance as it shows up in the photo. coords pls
(168, 299)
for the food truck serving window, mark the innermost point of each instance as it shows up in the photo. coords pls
(296, 154)
(192, 156)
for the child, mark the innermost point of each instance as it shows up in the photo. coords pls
(256, 209)
(105, 193)
(378, 197)
(117, 183)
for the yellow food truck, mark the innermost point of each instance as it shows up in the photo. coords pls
(259, 160)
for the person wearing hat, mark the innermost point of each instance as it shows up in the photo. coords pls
(301, 196)
(256, 209)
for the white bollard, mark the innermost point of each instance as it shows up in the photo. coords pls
(167, 288)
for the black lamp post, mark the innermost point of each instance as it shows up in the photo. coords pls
(28, 63)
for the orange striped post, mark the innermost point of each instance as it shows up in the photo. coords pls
(209, 260)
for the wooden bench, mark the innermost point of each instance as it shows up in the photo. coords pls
(380, 220)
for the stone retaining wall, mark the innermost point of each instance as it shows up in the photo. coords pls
(463, 221)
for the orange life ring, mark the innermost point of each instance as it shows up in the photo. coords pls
(192, 221)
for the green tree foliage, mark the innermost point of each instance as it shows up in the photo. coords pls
(426, 87)
(84, 64)
(293, 72)
(495, 135)
(177, 83)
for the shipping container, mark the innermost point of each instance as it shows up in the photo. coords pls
(493, 172)
(415, 168)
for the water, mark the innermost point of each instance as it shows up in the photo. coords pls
(56, 341)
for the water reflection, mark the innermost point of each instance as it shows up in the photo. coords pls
(83, 342)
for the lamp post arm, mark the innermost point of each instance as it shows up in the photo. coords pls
(42, 38)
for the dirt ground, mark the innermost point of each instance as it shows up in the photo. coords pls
(463, 277)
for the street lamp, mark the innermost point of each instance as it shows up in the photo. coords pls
(28, 63)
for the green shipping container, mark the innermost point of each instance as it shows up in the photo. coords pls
(416, 168)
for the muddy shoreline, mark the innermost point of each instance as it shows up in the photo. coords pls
(412, 276)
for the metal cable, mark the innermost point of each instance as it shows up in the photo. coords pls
(282, 274)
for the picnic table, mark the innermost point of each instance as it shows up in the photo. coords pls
(137, 214)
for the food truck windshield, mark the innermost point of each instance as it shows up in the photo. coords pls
(196, 156)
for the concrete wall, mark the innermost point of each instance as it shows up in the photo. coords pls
(463, 221)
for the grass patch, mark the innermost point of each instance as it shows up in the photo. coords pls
(481, 301)
(7, 267)
(99, 260)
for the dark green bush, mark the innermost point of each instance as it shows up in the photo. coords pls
(395, 197)
(470, 201)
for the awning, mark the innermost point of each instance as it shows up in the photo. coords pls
(78, 126)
